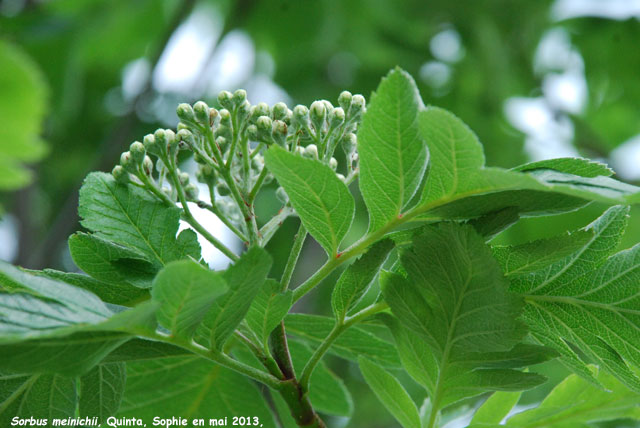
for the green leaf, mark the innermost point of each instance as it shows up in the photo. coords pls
(129, 217)
(460, 186)
(269, 307)
(496, 408)
(460, 319)
(111, 263)
(139, 349)
(393, 155)
(22, 108)
(327, 392)
(185, 290)
(101, 391)
(589, 298)
(391, 393)
(321, 199)
(492, 223)
(575, 401)
(41, 396)
(355, 280)
(529, 257)
(244, 279)
(576, 166)
(118, 294)
(350, 344)
(190, 387)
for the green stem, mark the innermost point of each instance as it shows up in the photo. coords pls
(214, 209)
(266, 359)
(339, 327)
(256, 187)
(189, 218)
(269, 229)
(298, 242)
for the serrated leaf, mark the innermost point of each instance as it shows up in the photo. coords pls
(323, 202)
(111, 263)
(576, 166)
(393, 155)
(391, 393)
(352, 343)
(116, 293)
(455, 300)
(184, 291)
(269, 307)
(243, 279)
(492, 223)
(459, 186)
(129, 217)
(327, 392)
(496, 408)
(529, 257)
(591, 299)
(190, 387)
(101, 391)
(575, 402)
(355, 280)
(41, 396)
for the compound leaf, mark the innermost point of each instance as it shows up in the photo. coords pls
(393, 155)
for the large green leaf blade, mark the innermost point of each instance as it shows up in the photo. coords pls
(391, 393)
(321, 199)
(101, 391)
(41, 396)
(393, 156)
(190, 387)
(496, 408)
(185, 290)
(459, 334)
(590, 299)
(355, 280)
(243, 279)
(575, 401)
(129, 217)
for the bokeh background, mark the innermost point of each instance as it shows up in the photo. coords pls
(80, 80)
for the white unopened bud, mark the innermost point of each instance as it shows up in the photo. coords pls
(311, 151)
(333, 163)
(282, 196)
(185, 112)
(344, 100)
(137, 151)
(225, 99)
(201, 110)
(120, 175)
(279, 111)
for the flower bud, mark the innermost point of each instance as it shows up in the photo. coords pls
(183, 177)
(301, 116)
(317, 114)
(149, 142)
(221, 142)
(207, 175)
(345, 100)
(147, 165)
(279, 111)
(260, 109)
(120, 175)
(214, 117)
(137, 151)
(341, 177)
(239, 97)
(264, 124)
(336, 117)
(243, 111)
(223, 189)
(201, 110)
(182, 126)
(191, 192)
(333, 163)
(282, 196)
(126, 160)
(252, 132)
(357, 107)
(171, 142)
(225, 117)
(300, 151)
(225, 99)
(185, 112)
(311, 151)
(186, 136)
(224, 132)
(279, 132)
(257, 162)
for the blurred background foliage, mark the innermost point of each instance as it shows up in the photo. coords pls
(534, 79)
